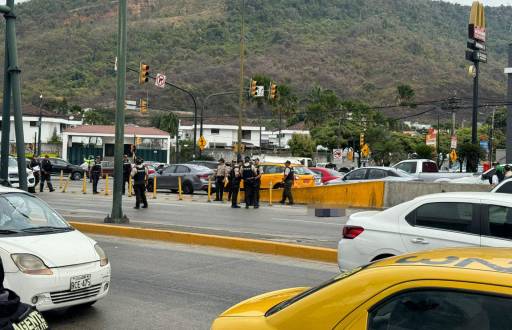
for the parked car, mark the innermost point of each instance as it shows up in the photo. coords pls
(504, 187)
(107, 168)
(194, 177)
(427, 222)
(442, 289)
(47, 262)
(75, 172)
(273, 173)
(326, 174)
(14, 180)
(373, 173)
(427, 170)
(206, 163)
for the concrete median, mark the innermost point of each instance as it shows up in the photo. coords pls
(242, 244)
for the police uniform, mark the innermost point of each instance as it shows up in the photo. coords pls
(95, 174)
(220, 176)
(248, 175)
(46, 174)
(288, 176)
(257, 185)
(235, 185)
(127, 169)
(139, 174)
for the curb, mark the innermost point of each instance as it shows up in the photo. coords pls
(234, 243)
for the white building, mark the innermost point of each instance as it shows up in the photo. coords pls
(281, 139)
(51, 124)
(223, 133)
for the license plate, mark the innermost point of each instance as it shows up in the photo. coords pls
(80, 282)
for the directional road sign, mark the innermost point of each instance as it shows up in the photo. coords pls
(453, 156)
(160, 80)
(202, 143)
(365, 151)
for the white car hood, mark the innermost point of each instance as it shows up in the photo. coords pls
(56, 250)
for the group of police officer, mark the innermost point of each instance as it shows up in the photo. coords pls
(230, 176)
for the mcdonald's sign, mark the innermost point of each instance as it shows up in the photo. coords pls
(477, 22)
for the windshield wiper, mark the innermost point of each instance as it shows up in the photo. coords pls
(45, 229)
(8, 232)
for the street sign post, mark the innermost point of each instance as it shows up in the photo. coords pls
(202, 143)
(337, 154)
(160, 80)
(260, 91)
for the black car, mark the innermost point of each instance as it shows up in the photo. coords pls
(75, 172)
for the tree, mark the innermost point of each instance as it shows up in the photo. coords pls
(468, 152)
(55, 138)
(301, 145)
(169, 123)
(95, 117)
(405, 95)
(423, 151)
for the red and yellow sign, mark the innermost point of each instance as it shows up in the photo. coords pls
(477, 22)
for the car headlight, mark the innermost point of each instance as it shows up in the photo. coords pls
(102, 255)
(30, 264)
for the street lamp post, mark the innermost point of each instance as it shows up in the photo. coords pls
(241, 96)
(40, 124)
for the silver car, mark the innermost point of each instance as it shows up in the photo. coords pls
(193, 178)
(373, 173)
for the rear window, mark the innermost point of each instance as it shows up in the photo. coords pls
(409, 167)
(429, 167)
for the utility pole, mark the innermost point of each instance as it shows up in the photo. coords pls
(508, 72)
(242, 59)
(117, 215)
(491, 134)
(15, 88)
(6, 118)
(40, 124)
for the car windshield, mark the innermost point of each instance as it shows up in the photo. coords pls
(24, 213)
(336, 279)
(199, 168)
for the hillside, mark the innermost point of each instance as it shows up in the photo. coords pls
(360, 49)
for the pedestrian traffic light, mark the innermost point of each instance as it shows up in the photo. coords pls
(273, 91)
(253, 88)
(143, 73)
(143, 106)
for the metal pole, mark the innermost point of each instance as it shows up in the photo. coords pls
(40, 124)
(471, 166)
(509, 108)
(491, 135)
(437, 140)
(117, 215)
(6, 117)
(241, 96)
(15, 72)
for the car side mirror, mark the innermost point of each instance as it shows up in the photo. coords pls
(344, 178)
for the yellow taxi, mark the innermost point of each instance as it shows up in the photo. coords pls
(450, 289)
(273, 173)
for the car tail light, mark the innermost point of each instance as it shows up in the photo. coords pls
(203, 176)
(351, 232)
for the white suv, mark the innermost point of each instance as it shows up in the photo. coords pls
(428, 222)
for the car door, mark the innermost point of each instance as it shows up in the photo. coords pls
(183, 172)
(409, 167)
(356, 175)
(166, 179)
(377, 173)
(496, 225)
(440, 222)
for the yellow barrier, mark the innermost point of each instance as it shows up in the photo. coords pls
(210, 190)
(65, 186)
(130, 186)
(180, 193)
(357, 195)
(84, 184)
(61, 179)
(106, 185)
(270, 188)
(154, 187)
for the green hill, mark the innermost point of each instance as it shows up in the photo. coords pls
(360, 49)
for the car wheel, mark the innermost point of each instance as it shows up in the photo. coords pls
(76, 176)
(187, 188)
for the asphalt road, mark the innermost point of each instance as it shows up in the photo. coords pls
(167, 286)
(278, 223)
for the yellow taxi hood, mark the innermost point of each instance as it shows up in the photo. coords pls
(259, 305)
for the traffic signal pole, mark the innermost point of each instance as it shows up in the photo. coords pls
(117, 215)
(242, 59)
(6, 118)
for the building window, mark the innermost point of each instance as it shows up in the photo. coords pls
(215, 131)
(33, 124)
(246, 135)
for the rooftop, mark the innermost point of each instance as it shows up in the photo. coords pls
(110, 130)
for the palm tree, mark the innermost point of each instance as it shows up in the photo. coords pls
(169, 123)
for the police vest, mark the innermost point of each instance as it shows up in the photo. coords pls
(140, 176)
(15, 315)
(247, 172)
(290, 176)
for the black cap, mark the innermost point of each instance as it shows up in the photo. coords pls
(247, 158)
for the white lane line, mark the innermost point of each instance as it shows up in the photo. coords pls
(309, 221)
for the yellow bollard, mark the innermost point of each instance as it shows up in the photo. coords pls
(65, 186)
(180, 196)
(106, 185)
(270, 194)
(130, 186)
(210, 190)
(154, 187)
(61, 179)
(84, 184)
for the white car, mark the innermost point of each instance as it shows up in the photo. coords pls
(373, 173)
(457, 219)
(47, 262)
(14, 178)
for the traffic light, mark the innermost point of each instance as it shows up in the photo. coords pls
(273, 91)
(143, 106)
(253, 87)
(361, 140)
(143, 73)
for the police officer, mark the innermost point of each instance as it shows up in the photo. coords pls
(257, 182)
(248, 175)
(16, 315)
(235, 183)
(288, 177)
(95, 175)
(127, 170)
(139, 177)
(220, 176)
(35, 166)
(46, 174)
